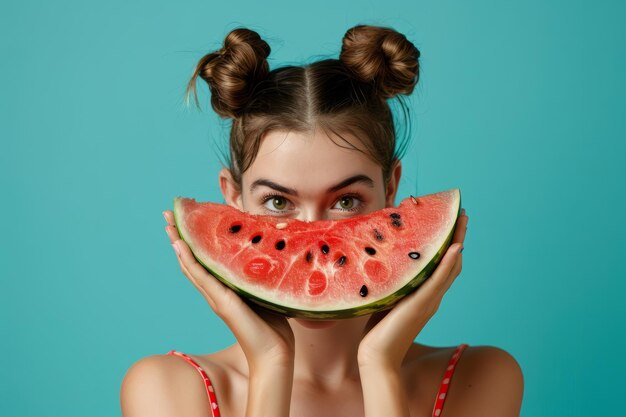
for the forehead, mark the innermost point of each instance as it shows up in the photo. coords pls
(309, 162)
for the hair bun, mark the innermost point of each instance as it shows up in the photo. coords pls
(233, 71)
(381, 56)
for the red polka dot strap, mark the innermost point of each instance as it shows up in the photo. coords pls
(215, 411)
(447, 377)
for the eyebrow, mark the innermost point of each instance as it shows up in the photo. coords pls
(363, 179)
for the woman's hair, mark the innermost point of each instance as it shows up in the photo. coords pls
(345, 95)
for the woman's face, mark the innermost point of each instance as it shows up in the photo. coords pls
(308, 177)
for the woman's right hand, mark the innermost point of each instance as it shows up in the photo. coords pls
(265, 337)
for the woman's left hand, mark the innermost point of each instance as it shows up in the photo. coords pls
(391, 333)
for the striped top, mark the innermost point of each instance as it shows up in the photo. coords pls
(437, 408)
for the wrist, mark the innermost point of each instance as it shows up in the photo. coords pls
(379, 367)
(271, 364)
(275, 356)
(368, 360)
(269, 390)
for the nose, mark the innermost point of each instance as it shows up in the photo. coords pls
(311, 214)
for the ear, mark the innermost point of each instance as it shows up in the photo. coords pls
(392, 185)
(230, 190)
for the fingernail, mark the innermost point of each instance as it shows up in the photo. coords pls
(164, 216)
(176, 248)
(462, 212)
(462, 247)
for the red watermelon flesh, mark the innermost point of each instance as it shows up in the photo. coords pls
(326, 269)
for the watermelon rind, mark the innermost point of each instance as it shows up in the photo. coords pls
(364, 309)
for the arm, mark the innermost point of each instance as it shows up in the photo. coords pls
(269, 392)
(383, 392)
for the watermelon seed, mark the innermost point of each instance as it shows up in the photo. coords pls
(363, 291)
(395, 219)
(256, 239)
(342, 260)
(413, 200)
(309, 256)
(325, 249)
(370, 251)
(234, 228)
(280, 245)
(414, 255)
(378, 235)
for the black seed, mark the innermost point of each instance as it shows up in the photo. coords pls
(370, 251)
(341, 260)
(395, 216)
(256, 239)
(325, 249)
(378, 235)
(363, 291)
(280, 245)
(414, 255)
(309, 256)
(396, 222)
(234, 228)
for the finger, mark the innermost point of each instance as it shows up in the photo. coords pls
(460, 229)
(223, 301)
(193, 280)
(431, 292)
(172, 233)
(183, 267)
(429, 300)
(445, 266)
(200, 288)
(215, 289)
(169, 217)
(171, 230)
(455, 272)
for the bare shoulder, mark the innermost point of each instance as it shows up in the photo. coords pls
(165, 385)
(487, 381)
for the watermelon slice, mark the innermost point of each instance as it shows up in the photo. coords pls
(326, 269)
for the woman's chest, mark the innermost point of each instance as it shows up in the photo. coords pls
(308, 401)
(327, 405)
(421, 381)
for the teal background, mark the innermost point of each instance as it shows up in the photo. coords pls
(520, 104)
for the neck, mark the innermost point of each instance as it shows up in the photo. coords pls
(326, 352)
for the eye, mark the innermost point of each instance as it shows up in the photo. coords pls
(346, 202)
(279, 203)
(275, 202)
(349, 203)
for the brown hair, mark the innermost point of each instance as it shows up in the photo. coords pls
(342, 95)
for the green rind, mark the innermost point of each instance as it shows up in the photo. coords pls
(378, 305)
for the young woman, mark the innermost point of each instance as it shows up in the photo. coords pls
(318, 142)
